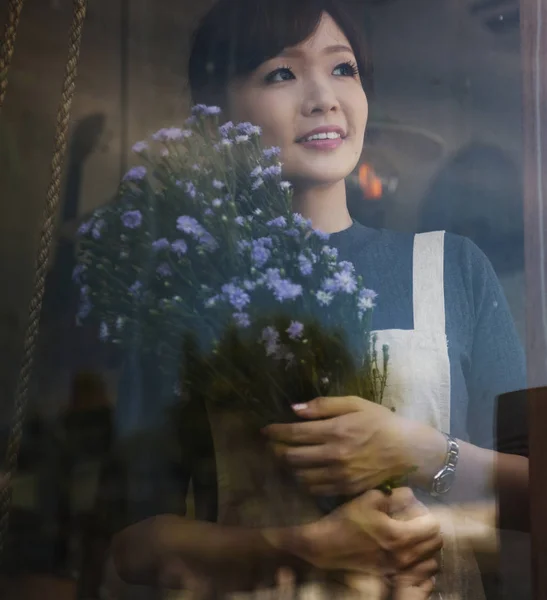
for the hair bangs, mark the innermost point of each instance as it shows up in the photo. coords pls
(237, 36)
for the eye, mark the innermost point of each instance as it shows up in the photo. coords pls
(281, 74)
(346, 69)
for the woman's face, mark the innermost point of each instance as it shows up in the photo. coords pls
(309, 101)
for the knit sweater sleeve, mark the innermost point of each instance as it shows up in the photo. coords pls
(497, 363)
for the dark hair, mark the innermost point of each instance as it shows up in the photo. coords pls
(236, 36)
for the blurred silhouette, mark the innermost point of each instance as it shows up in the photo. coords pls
(478, 194)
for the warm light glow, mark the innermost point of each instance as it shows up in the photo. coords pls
(370, 183)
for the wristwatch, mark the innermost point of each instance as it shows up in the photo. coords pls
(443, 480)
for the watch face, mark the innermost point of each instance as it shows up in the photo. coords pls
(444, 482)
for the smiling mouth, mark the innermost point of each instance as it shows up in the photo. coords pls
(331, 135)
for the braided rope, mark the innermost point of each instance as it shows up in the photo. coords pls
(46, 237)
(8, 44)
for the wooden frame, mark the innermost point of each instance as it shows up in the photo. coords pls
(534, 67)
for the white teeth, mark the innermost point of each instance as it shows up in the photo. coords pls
(332, 135)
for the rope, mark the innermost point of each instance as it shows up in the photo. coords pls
(46, 237)
(6, 49)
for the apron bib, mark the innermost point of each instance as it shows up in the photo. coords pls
(418, 388)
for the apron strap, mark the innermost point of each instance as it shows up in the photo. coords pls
(428, 282)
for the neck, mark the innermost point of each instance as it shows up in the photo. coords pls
(326, 206)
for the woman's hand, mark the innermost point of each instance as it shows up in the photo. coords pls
(418, 581)
(172, 552)
(348, 446)
(361, 537)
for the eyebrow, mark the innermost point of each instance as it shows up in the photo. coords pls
(328, 50)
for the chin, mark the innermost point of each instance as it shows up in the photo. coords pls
(316, 177)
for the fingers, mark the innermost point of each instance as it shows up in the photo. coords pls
(419, 592)
(306, 456)
(418, 574)
(403, 534)
(285, 581)
(403, 499)
(324, 408)
(413, 555)
(315, 432)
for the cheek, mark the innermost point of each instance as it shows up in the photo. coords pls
(268, 110)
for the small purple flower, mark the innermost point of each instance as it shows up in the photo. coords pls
(256, 171)
(324, 298)
(345, 282)
(191, 189)
(135, 174)
(271, 152)
(218, 184)
(322, 235)
(97, 228)
(346, 267)
(103, 332)
(257, 183)
(300, 220)
(225, 143)
(85, 227)
(135, 288)
(140, 147)
(164, 270)
(248, 129)
(292, 232)
(203, 109)
(160, 244)
(259, 254)
(239, 220)
(241, 139)
(196, 167)
(84, 309)
(277, 222)
(329, 285)
(77, 272)
(208, 212)
(226, 128)
(295, 330)
(284, 289)
(249, 285)
(273, 171)
(366, 299)
(270, 337)
(242, 320)
(217, 202)
(132, 219)
(305, 265)
(190, 225)
(272, 277)
(285, 185)
(237, 297)
(179, 247)
(330, 253)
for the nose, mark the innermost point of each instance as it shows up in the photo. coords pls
(320, 97)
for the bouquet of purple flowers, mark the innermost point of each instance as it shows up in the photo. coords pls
(201, 262)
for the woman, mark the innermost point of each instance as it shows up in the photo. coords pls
(299, 70)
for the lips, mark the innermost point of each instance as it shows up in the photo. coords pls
(327, 132)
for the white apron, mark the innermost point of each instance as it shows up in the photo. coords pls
(418, 387)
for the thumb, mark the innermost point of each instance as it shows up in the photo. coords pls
(327, 407)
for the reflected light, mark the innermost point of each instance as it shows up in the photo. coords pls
(371, 185)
